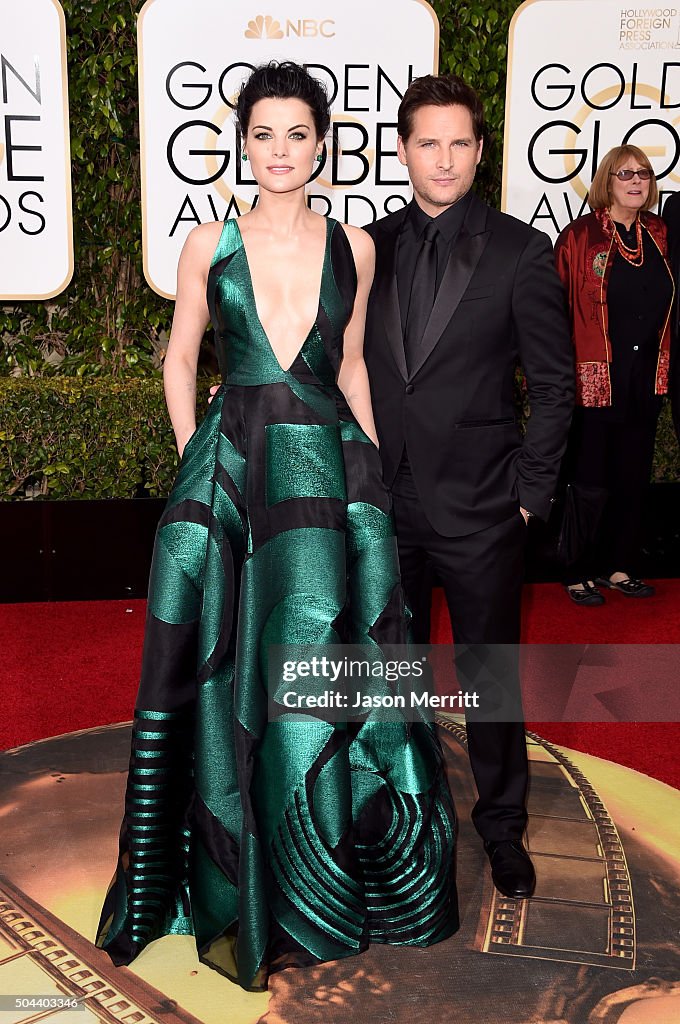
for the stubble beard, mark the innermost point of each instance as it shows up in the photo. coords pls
(437, 200)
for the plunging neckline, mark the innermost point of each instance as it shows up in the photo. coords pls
(301, 349)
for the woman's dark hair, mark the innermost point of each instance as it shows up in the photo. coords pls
(283, 81)
(439, 91)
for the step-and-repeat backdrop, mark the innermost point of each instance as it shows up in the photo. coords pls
(36, 233)
(583, 76)
(193, 59)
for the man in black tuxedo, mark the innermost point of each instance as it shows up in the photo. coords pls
(461, 294)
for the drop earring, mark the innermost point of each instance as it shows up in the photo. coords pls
(319, 158)
(244, 157)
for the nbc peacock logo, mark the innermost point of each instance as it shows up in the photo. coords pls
(264, 27)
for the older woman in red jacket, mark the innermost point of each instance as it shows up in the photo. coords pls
(613, 263)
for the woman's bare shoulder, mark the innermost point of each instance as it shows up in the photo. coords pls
(204, 237)
(199, 246)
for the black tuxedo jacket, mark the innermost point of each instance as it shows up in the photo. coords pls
(500, 302)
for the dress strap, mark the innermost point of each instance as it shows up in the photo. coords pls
(229, 241)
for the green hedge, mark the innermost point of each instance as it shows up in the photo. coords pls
(108, 438)
(666, 467)
(98, 438)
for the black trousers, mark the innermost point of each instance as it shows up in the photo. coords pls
(615, 454)
(482, 576)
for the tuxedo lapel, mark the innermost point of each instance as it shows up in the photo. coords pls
(386, 294)
(463, 260)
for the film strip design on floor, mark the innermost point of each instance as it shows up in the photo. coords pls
(72, 967)
(583, 910)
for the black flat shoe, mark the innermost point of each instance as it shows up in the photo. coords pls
(511, 868)
(587, 594)
(630, 586)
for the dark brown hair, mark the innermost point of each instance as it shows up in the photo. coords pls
(439, 91)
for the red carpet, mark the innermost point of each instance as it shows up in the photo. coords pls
(74, 665)
(549, 617)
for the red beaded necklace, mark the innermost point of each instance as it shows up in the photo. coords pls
(636, 256)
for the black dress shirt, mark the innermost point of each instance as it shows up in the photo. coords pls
(637, 305)
(448, 223)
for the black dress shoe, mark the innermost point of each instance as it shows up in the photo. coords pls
(630, 586)
(511, 868)
(586, 594)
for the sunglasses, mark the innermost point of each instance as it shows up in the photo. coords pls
(643, 173)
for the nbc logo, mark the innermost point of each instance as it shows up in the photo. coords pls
(264, 27)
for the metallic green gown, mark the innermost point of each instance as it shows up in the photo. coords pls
(283, 843)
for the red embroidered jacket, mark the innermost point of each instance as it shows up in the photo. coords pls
(584, 254)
